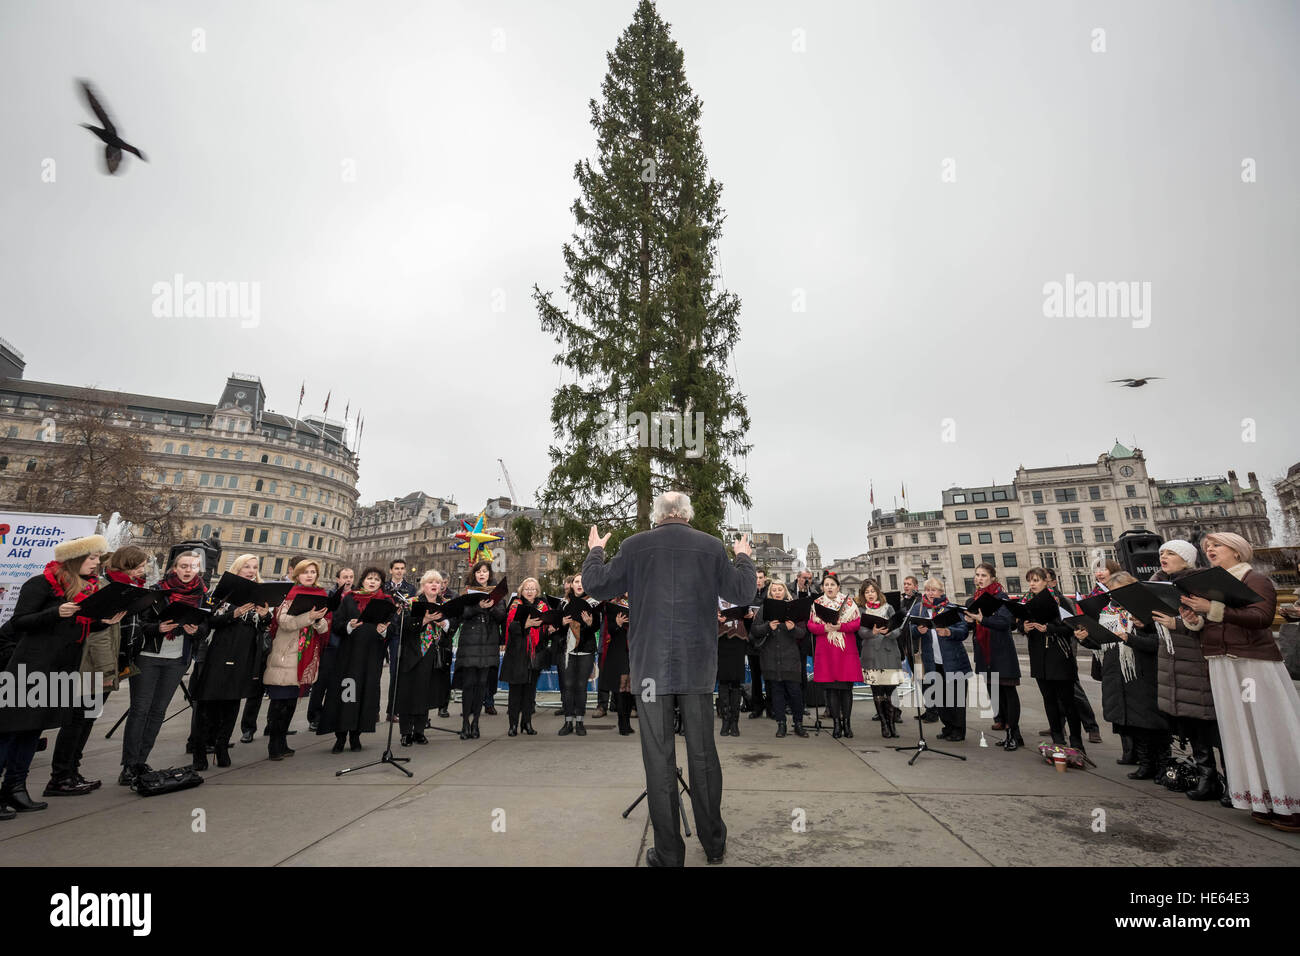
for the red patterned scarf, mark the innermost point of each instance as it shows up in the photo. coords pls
(533, 635)
(309, 647)
(983, 636)
(90, 587)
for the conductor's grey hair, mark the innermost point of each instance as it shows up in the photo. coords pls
(672, 504)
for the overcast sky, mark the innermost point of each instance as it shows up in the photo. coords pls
(829, 126)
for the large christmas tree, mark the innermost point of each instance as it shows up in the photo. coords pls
(648, 330)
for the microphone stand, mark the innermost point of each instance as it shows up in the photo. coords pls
(918, 683)
(387, 756)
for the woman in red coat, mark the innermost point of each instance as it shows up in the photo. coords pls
(836, 664)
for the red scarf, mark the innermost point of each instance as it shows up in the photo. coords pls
(121, 577)
(182, 593)
(533, 635)
(983, 635)
(932, 605)
(362, 598)
(308, 647)
(90, 588)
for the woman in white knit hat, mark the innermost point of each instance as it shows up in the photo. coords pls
(1256, 702)
(50, 637)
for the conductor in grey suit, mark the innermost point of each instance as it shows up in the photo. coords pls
(673, 576)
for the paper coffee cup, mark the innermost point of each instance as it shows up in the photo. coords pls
(1059, 760)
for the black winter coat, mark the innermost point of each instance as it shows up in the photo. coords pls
(1130, 703)
(1052, 654)
(614, 661)
(1002, 658)
(732, 646)
(359, 660)
(479, 644)
(417, 672)
(517, 665)
(229, 665)
(782, 655)
(880, 652)
(46, 644)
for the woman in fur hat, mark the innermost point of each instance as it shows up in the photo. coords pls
(51, 638)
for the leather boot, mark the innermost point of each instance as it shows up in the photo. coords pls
(780, 728)
(514, 728)
(354, 740)
(339, 740)
(465, 732)
(1141, 753)
(836, 733)
(1129, 757)
(20, 800)
(1207, 777)
(526, 725)
(473, 726)
(199, 759)
(882, 717)
(847, 728)
(567, 728)
(798, 728)
(735, 721)
(223, 753)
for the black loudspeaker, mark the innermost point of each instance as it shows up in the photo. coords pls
(209, 553)
(1138, 553)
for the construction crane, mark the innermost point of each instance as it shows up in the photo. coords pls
(514, 499)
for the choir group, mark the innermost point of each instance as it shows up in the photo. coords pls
(1205, 669)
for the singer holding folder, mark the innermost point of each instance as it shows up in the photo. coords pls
(943, 654)
(1261, 735)
(293, 663)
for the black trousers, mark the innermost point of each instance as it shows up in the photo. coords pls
(659, 754)
(577, 671)
(1009, 708)
(411, 724)
(1084, 707)
(839, 703)
(758, 701)
(729, 698)
(473, 690)
(522, 701)
(952, 712)
(602, 699)
(783, 692)
(316, 702)
(252, 707)
(1062, 709)
(68, 748)
(279, 715)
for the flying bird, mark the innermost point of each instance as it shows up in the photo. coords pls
(113, 144)
(1137, 382)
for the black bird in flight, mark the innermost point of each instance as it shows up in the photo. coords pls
(113, 144)
(1136, 382)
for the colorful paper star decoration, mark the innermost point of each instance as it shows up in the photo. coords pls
(473, 539)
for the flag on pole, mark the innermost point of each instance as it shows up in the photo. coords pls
(327, 402)
(302, 391)
(347, 405)
(904, 494)
(873, 495)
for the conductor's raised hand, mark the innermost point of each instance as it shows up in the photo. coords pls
(594, 540)
(742, 545)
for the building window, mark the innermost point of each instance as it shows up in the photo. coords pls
(963, 538)
(1013, 585)
(959, 499)
(967, 561)
(227, 507)
(1131, 491)
(1009, 559)
(1000, 495)
(232, 481)
(299, 517)
(271, 487)
(988, 559)
(279, 566)
(296, 538)
(1070, 516)
(252, 510)
(1078, 559)
(1045, 537)
(1074, 536)
(207, 531)
(248, 535)
(1006, 537)
(185, 449)
(889, 541)
(986, 537)
(284, 539)
(279, 459)
(1038, 497)
(934, 539)
(916, 539)
(893, 582)
(219, 481)
(970, 585)
(262, 536)
(1101, 535)
(167, 448)
(978, 497)
(177, 478)
(288, 514)
(1098, 514)
(959, 515)
(1040, 517)
(1094, 492)
(212, 453)
(204, 479)
(1002, 512)
(213, 505)
(1066, 495)
(981, 513)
